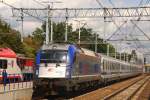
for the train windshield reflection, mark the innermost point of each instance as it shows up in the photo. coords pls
(53, 56)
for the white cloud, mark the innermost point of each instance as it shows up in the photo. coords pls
(29, 26)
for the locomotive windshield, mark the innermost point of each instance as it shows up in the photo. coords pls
(53, 56)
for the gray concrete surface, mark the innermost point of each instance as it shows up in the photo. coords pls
(16, 91)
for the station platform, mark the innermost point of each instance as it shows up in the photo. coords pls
(16, 91)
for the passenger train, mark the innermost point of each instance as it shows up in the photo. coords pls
(15, 66)
(69, 67)
(27, 67)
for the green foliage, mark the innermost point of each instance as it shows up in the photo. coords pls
(4, 27)
(29, 51)
(11, 40)
(38, 38)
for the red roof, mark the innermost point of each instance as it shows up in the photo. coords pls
(6, 52)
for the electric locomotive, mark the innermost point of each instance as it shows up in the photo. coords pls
(66, 67)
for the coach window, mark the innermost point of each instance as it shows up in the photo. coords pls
(12, 63)
(103, 65)
(115, 65)
(3, 64)
(125, 68)
(119, 67)
(107, 66)
(110, 66)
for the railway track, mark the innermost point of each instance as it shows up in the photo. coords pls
(145, 93)
(128, 92)
(105, 92)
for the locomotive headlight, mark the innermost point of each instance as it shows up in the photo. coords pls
(64, 58)
(67, 73)
(37, 72)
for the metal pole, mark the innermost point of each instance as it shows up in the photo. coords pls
(79, 32)
(47, 26)
(22, 32)
(95, 42)
(51, 24)
(120, 56)
(107, 49)
(66, 33)
(115, 53)
(51, 31)
(124, 56)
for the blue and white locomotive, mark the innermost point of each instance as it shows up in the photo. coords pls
(69, 67)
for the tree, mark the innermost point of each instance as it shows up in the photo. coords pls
(11, 40)
(38, 38)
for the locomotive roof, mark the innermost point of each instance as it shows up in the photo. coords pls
(113, 59)
(6, 52)
(117, 60)
(22, 56)
(88, 52)
(55, 46)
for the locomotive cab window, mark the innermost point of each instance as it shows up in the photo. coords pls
(3, 64)
(53, 56)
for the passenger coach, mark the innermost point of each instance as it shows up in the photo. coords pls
(8, 62)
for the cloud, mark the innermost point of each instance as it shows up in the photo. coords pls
(29, 27)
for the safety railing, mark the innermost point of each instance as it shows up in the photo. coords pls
(15, 82)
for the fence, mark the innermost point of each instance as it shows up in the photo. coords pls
(13, 83)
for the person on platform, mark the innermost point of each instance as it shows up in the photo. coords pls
(4, 75)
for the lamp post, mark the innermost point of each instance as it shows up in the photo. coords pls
(95, 43)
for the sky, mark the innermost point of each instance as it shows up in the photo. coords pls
(29, 26)
(103, 29)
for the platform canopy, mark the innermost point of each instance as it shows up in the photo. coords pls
(6, 52)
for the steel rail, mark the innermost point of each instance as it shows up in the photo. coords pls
(120, 90)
